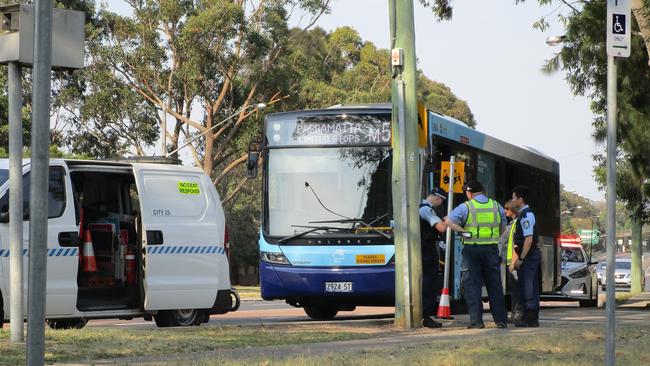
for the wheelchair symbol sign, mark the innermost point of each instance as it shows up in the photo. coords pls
(618, 23)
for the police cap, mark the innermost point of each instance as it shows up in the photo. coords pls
(439, 193)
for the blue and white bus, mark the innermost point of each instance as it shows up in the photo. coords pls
(326, 242)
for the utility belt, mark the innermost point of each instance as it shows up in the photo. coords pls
(480, 244)
(518, 247)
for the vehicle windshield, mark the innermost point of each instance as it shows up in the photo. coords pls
(623, 265)
(4, 175)
(572, 255)
(351, 182)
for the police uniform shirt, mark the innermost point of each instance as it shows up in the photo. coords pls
(525, 228)
(427, 214)
(459, 214)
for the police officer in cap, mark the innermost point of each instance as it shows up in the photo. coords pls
(526, 257)
(431, 227)
(484, 221)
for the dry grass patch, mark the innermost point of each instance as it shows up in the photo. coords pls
(102, 343)
(575, 346)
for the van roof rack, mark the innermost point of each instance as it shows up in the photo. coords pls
(150, 159)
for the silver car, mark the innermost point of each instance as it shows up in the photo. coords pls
(579, 280)
(622, 274)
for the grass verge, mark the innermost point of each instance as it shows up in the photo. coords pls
(577, 346)
(100, 343)
(248, 292)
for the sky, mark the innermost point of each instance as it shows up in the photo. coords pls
(490, 56)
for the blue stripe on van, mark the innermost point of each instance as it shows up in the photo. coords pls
(192, 249)
(56, 252)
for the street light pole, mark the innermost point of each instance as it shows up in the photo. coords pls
(15, 91)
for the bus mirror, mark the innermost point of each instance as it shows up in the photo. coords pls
(251, 164)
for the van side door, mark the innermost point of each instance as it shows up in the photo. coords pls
(180, 237)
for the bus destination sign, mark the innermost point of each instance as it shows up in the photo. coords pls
(346, 130)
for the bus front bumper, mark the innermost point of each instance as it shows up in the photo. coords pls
(371, 285)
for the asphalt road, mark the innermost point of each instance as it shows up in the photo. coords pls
(277, 312)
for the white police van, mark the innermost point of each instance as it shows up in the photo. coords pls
(157, 246)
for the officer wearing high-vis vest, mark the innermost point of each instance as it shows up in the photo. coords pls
(431, 226)
(485, 220)
(526, 257)
(512, 279)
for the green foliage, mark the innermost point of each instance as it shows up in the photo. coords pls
(340, 68)
(584, 61)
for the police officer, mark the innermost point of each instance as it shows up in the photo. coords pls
(526, 257)
(507, 242)
(484, 219)
(431, 226)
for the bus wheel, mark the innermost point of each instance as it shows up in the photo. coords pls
(179, 318)
(320, 312)
(66, 323)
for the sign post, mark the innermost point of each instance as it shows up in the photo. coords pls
(618, 45)
(618, 28)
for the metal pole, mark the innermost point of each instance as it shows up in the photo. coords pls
(39, 182)
(610, 356)
(15, 92)
(448, 234)
(636, 254)
(408, 256)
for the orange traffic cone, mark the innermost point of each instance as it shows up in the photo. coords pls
(89, 264)
(444, 311)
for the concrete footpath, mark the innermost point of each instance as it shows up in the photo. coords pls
(640, 301)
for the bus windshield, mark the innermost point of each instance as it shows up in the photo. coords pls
(352, 182)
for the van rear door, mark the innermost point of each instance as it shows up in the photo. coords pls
(181, 231)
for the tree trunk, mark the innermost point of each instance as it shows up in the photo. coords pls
(209, 142)
(636, 253)
(642, 17)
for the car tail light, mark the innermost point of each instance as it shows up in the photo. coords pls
(226, 243)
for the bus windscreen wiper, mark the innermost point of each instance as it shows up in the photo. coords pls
(360, 221)
(311, 230)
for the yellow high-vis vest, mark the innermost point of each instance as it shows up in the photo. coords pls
(511, 237)
(483, 221)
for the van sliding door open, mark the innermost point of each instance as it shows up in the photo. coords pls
(181, 232)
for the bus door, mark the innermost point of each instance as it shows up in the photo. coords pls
(179, 235)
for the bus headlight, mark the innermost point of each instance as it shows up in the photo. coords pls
(275, 258)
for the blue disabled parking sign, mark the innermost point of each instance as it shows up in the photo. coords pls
(618, 24)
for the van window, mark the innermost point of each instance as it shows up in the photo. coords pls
(56, 194)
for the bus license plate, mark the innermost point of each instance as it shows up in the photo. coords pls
(338, 286)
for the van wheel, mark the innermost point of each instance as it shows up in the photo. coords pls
(320, 312)
(179, 318)
(66, 323)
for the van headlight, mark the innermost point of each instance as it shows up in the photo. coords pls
(275, 258)
(579, 274)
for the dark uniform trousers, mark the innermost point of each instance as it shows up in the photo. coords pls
(483, 265)
(528, 283)
(430, 287)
